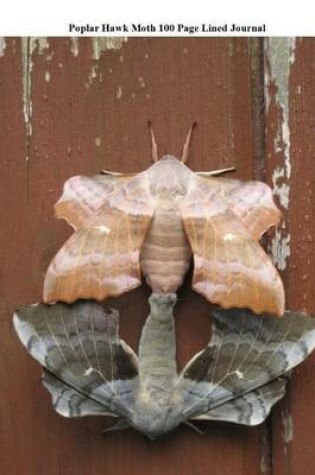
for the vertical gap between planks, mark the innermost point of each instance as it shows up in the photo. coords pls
(256, 51)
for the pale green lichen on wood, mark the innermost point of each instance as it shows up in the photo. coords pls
(281, 57)
(280, 54)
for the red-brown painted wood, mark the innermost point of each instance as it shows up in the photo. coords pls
(89, 114)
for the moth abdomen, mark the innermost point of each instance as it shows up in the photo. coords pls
(165, 254)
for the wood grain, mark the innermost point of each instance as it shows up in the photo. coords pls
(89, 114)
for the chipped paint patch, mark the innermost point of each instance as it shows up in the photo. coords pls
(281, 190)
(119, 93)
(98, 141)
(39, 44)
(74, 46)
(104, 43)
(141, 81)
(280, 54)
(27, 66)
(280, 248)
(92, 75)
(288, 430)
(28, 47)
(47, 76)
(263, 465)
(98, 46)
(265, 452)
(2, 46)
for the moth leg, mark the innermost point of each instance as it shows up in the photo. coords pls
(120, 425)
(187, 143)
(154, 150)
(109, 173)
(194, 427)
(216, 172)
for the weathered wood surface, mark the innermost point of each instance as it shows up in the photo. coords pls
(74, 107)
(290, 153)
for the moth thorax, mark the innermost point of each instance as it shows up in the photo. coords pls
(152, 419)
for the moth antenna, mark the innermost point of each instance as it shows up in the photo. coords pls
(217, 172)
(154, 150)
(187, 143)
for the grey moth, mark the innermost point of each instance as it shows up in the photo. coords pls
(89, 370)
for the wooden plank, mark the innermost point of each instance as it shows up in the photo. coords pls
(86, 107)
(290, 143)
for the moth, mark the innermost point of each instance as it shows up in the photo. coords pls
(153, 222)
(90, 371)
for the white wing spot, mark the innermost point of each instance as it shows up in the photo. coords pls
(239, 374)
(88, 371)
(229, 237)
(102, 229)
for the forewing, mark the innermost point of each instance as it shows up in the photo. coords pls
(83, 196)
(244, 354)
(230, 267)
(251, 201)
(101, 259)
(88, 365)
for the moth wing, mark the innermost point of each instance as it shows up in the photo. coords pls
(69, 402)
(250, 409)
(83, 196)
(251, 201)
(101, 259)
(90, 368)
(245, 353)
(230, 267)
